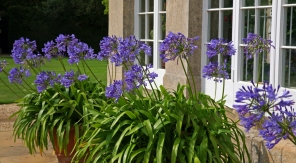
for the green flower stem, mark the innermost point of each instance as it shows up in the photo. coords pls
(62, 63)
(13, 83)
(93, 73)
(190, 71)
(223, 89)
(10, 88)
(32, 67)
(78, 68)
(83, 67)
(110, 78)
(190, 91)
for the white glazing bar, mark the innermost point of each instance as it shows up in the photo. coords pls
(147, 27)
(156, 35)
(220, 29)
(290, 43)
(256, 76)
(264, 36)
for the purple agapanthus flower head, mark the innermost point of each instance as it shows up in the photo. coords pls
(114, 90)
(64, 41)
(220, 46)
(51, 50)
(3, 64)
(176, 45)
(216, 72)
(82, 77)
(45, 79)
(253, 102)
(68, 78)
(80, 51)
(25, 52)
(17, 75)
(256, 45)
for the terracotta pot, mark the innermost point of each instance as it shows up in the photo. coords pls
(62, 156)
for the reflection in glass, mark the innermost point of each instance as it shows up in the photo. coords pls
(142, 26)
(248, 68)
(228, 3)
(291, 1)
(142, 5)
(163, 26)
(227, 25)
(290, 31)
(249, 3)
(151, 7)
(265, 2)
(289, 68)
(249, 22)
(214, 4)
(150, 26)
(214, 18)
(265, 23)
(265, 67)
(163, 5)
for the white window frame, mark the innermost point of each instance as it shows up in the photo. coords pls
(156, 35)
(278, 25)
(209, 86)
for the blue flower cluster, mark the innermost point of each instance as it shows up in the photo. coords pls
(49, 78)
(17, 75)
(220, 46)
(120, 50)
(25, 52)
(255, 45)
(114, 90)
(213, 69)
(68, 44)
(176, 45)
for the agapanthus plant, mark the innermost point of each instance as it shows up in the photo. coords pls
(263, 105)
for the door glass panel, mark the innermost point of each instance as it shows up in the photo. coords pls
(142, 27)
(290, 1)
(248, 68)
(227, 25)
(214, 3)
(289, 68)
(265, 2)
(163, 5)
(163, 26)
(214, 19)
(151, 7)
(290, 26)
(150, 26)
(249, 3)
(142, 5)
(249, 22)
(228, 3)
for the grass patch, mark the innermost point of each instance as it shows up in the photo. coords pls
(99, 68)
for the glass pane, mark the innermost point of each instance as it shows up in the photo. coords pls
(228, 3)
(290, 1)
(142, 5)
(290, 31)
(149, 59)
(150, 26)
(228, 65)
(151, 7)
(214, 4)
(249, 3)
(227, 25)
(142, 26)
(163, 5)
(265, 70)
(265, 2)
(265, 23)
(214, 19)
(163, 26)
(249, 22)
(161, 63)
(289, 68)
(248, 68)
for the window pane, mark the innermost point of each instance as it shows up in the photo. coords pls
(265, 69)
(142, 5)
(163, 5)
(289, 68)
(290, 31)
(227, 25)
(265, 23)
(163, 26)
(290, 1)
(248, 68)
(228, 65)
(150, 26)
(249, 3)
(214, 3)
(142, 26)
(228, 3)
(265, 2)
(149, 59)
(151, 7)
(213, 24)
(249, 22)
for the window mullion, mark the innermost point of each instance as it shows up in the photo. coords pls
(156, 34)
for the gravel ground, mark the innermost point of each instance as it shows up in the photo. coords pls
(6, 110)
